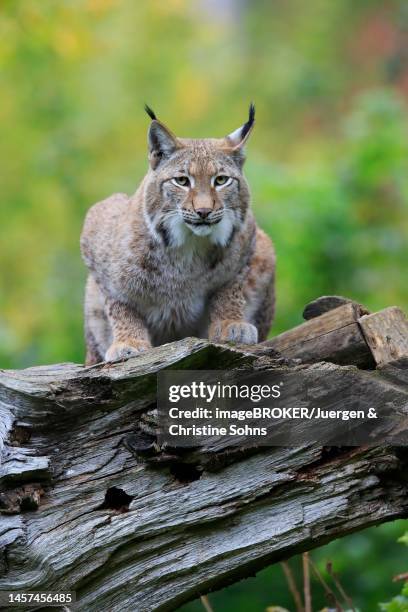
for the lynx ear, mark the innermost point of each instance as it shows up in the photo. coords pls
(238, 138)
(161, 142)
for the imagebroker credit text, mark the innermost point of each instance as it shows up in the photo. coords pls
(270, 413)
(279, 408)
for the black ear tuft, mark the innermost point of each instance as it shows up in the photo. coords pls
(251, 120)
(151, 113)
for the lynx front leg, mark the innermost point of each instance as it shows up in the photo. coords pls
(227, 322)
(130, 335)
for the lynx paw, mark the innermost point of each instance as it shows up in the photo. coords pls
(124, 350)
(239, 332)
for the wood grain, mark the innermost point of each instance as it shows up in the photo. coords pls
(386, 333)
(328, 302)
(334, 336)
(126, 535)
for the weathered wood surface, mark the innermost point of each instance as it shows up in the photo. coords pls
(386, 334)
(341, 331)
(334, 336)
(329, 302)
(81, 510)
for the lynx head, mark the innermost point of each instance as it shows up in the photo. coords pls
(196, 188)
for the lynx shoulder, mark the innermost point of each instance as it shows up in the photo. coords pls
(183, 256)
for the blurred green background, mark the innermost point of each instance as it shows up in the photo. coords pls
(327, 164)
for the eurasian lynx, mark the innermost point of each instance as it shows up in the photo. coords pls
(183, 256)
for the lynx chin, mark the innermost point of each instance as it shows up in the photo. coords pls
(181, 257)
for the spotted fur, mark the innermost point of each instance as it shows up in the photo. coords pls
(182, 256)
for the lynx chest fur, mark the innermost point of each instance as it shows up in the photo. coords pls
(183, 256)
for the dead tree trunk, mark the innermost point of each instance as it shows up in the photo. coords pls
(90, 504)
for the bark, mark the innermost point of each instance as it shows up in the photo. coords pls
(90, 504)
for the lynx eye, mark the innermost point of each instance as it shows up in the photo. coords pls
(182, 181)
(221, 180)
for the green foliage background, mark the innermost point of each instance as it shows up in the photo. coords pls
(328, 162)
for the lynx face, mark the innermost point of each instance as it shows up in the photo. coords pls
(196, 188)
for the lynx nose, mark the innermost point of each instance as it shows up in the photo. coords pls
(203, 212)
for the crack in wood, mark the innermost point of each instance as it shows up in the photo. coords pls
(134, 526)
